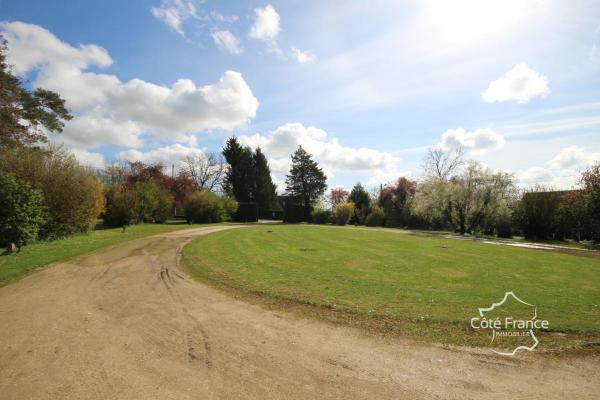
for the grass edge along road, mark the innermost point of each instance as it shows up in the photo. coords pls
(42, 253)
(426, 288)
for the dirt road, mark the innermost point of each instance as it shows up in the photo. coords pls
(125, 323)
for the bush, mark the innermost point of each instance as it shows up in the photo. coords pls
(231, 206)
(73, 194)
(376, 218)
(21, 212)
(320, 216)
(247, 212)
(343, 212)
(121, 206)
(154, 202)
(293, 212)
(206, 207)
(144, 202)
(537, 214)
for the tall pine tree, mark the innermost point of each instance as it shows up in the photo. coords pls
(41, 109)
(264, 189)
(306, 180)
(239, 178)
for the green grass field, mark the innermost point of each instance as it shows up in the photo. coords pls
(38, 254)
(422, 286)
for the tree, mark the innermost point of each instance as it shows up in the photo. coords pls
(477, 196)
(73, 194)
(121, 206)
(590, 179)
(337, 196)
(239, 177)
(25, 115)
(396, 200)
(362, 203)
(154, 202)
(21, 213)
(207, 170)
(265, 190)
(441, 163)
(537, 213)
(306, 180)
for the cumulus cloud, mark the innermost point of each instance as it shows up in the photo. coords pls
(174, 12)
(562, 170)
(92, 131)
(109, 111)
(574, 157)
(332, 156)
(95, 160)
(174, 154)
(520, 84)
(266, 25)
(303, 57)
(479, 140)
(227, 41)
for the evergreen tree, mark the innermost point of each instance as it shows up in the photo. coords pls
(264, 188)
(362, 201)
(239, 178)
(39, 108)
(306, 180)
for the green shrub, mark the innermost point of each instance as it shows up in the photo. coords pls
(21, 212)
(144, 202)
(205, 207)
(154, 202)
(121, 206)
(72, 194)
(376, 217)
(343, 212)
(320, 216)
(231, 207)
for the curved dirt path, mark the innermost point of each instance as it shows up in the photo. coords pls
(125, 323)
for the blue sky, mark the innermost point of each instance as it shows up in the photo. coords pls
(367, 87)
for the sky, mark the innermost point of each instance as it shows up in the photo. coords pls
(366, 87)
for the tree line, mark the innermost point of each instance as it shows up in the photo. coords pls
(45, 193)
(467, 198)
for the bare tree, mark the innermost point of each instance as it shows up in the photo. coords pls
(114, 173)
(442, 163)
(206, 170)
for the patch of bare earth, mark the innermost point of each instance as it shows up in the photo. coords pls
(126, 323)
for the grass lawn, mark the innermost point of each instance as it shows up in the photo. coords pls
(35, 255)
(425, 287)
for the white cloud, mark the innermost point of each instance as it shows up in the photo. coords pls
(574, 157)
(303, 57)
(109, 111)
(520, 84)
(92, 131)
(169, 155)
(479, 140)
(562, 171)
(227, 41)
(383, 177)
(172, 112)
(332, 156)
(95, 160)
(536, 176)
(174, 12)
(266, 24)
